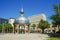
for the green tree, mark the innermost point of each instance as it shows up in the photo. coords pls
(33, 25)
(56, 17)
(8, 27)
(0, 27)
(43, 24)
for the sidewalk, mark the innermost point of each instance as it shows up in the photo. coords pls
(31, 36)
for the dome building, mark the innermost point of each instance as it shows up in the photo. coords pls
(21, 23)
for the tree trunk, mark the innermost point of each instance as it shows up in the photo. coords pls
(58, 27)
(54, 30)
(42, 30)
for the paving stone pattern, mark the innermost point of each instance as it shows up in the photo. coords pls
(31, 36)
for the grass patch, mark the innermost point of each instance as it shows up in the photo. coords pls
(54, 38)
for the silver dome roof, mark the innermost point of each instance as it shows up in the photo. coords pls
(22, 20)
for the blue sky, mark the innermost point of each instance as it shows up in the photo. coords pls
(11, 8)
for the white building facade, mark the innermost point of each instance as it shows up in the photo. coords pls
(11, 21)
(36, 18)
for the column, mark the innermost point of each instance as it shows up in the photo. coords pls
(24, 29)
(19, 29)
(14, 29)
(28, 29)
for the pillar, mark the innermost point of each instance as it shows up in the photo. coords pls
(24, 28)
(14, 29)
(28, 29)
(17, 28)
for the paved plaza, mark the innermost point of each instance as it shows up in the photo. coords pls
(31, 36)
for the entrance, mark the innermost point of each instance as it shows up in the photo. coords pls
(22, 29)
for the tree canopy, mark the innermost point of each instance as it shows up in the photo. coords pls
(33, 25)
(43, 24)
(0, 27)
(56, 17)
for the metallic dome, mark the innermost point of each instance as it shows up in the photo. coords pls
(21, 19)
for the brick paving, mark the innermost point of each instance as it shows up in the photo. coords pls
(31, 36)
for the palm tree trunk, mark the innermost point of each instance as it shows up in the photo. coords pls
(54, 30)
(58, 27)
(42, 30)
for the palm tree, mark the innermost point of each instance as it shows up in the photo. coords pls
(43, 24)
(56, 17)
(0, 27)
(8, 27)
(33, 25)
